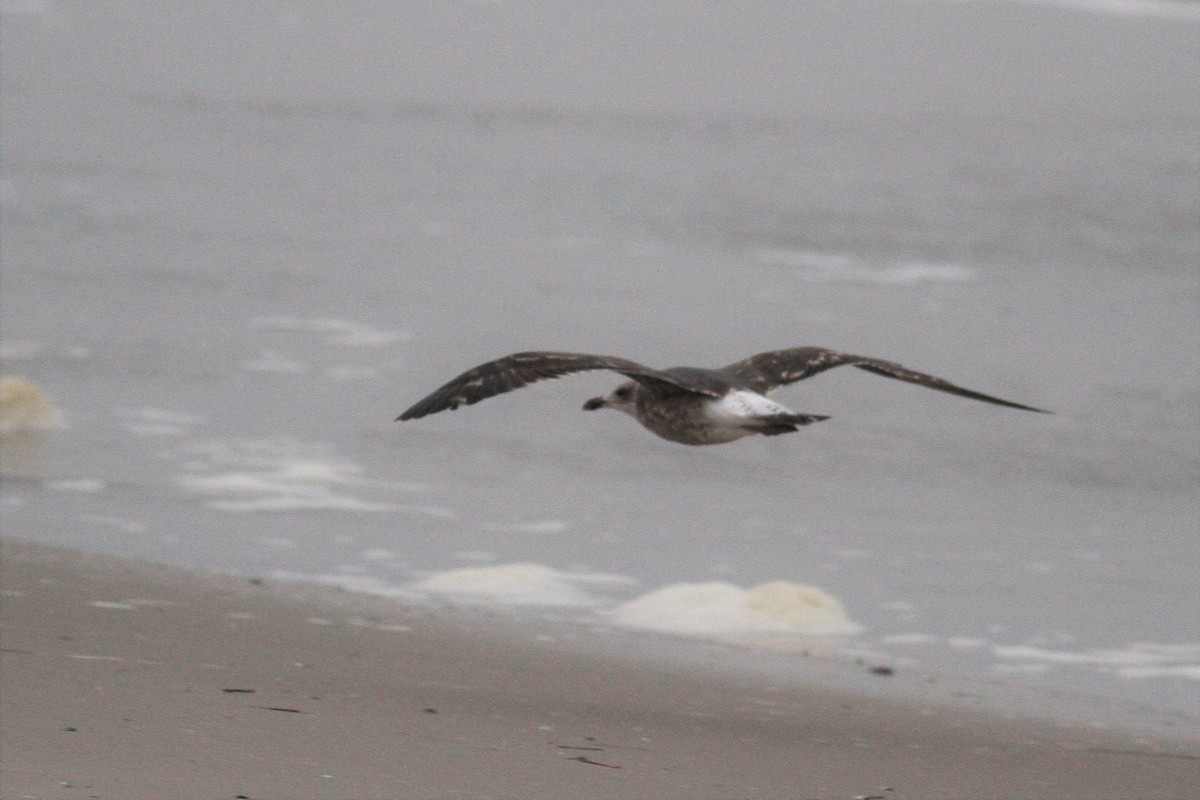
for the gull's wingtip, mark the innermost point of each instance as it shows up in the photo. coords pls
(412, 413)
(1030, 408)
(1022, 407)
(424, 409)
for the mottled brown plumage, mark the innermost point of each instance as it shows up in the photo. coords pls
(767, 371)
(521, 369)
(684, 404)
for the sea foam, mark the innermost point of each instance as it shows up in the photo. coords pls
(338, 332)
(1137, 661)
(841, 268)
(716, 610)
(284, 475)
(24, 407)
(519, 584)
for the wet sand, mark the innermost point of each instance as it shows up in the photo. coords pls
(122, 679)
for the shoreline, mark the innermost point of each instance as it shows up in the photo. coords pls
(122, 678)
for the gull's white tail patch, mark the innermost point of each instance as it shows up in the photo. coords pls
(742, 404)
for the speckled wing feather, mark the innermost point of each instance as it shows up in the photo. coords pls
(521, 369)
(765, 371)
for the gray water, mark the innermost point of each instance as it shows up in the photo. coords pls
(239, 240)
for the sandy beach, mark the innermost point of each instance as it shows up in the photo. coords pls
(122, 679)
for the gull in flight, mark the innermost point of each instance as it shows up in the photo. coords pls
(688, 405)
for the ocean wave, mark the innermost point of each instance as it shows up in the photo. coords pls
(519, 584)
(284, 475)
(838, 268)
(1165, 9)
(1137, 661)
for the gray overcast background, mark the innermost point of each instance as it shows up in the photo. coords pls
(760, 58)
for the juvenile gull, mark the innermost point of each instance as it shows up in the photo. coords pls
(688, 405)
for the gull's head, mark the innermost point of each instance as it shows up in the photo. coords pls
(623, 398)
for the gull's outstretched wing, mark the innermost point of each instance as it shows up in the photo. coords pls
(521, 369)
(765, 371)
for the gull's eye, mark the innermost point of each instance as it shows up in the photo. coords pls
(624, 392)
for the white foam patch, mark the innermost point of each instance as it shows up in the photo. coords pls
(362, 584)
(334, 331)
(158, 422)
(1137, 661)
(25, 408)
(82, 485)
(723, 611)
(477, 556)
(120, 523)
(277, 542)
(519, 584)
(377, 554)
(20, 350)
(1163, 9)
(152, 602)
(279, 492)
(425, 510)
(908, 638)
(89, 657)
(283, 475)
(279, 363)
(538, 527)
(837, 267)
(1022, 669)
(965, 642)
